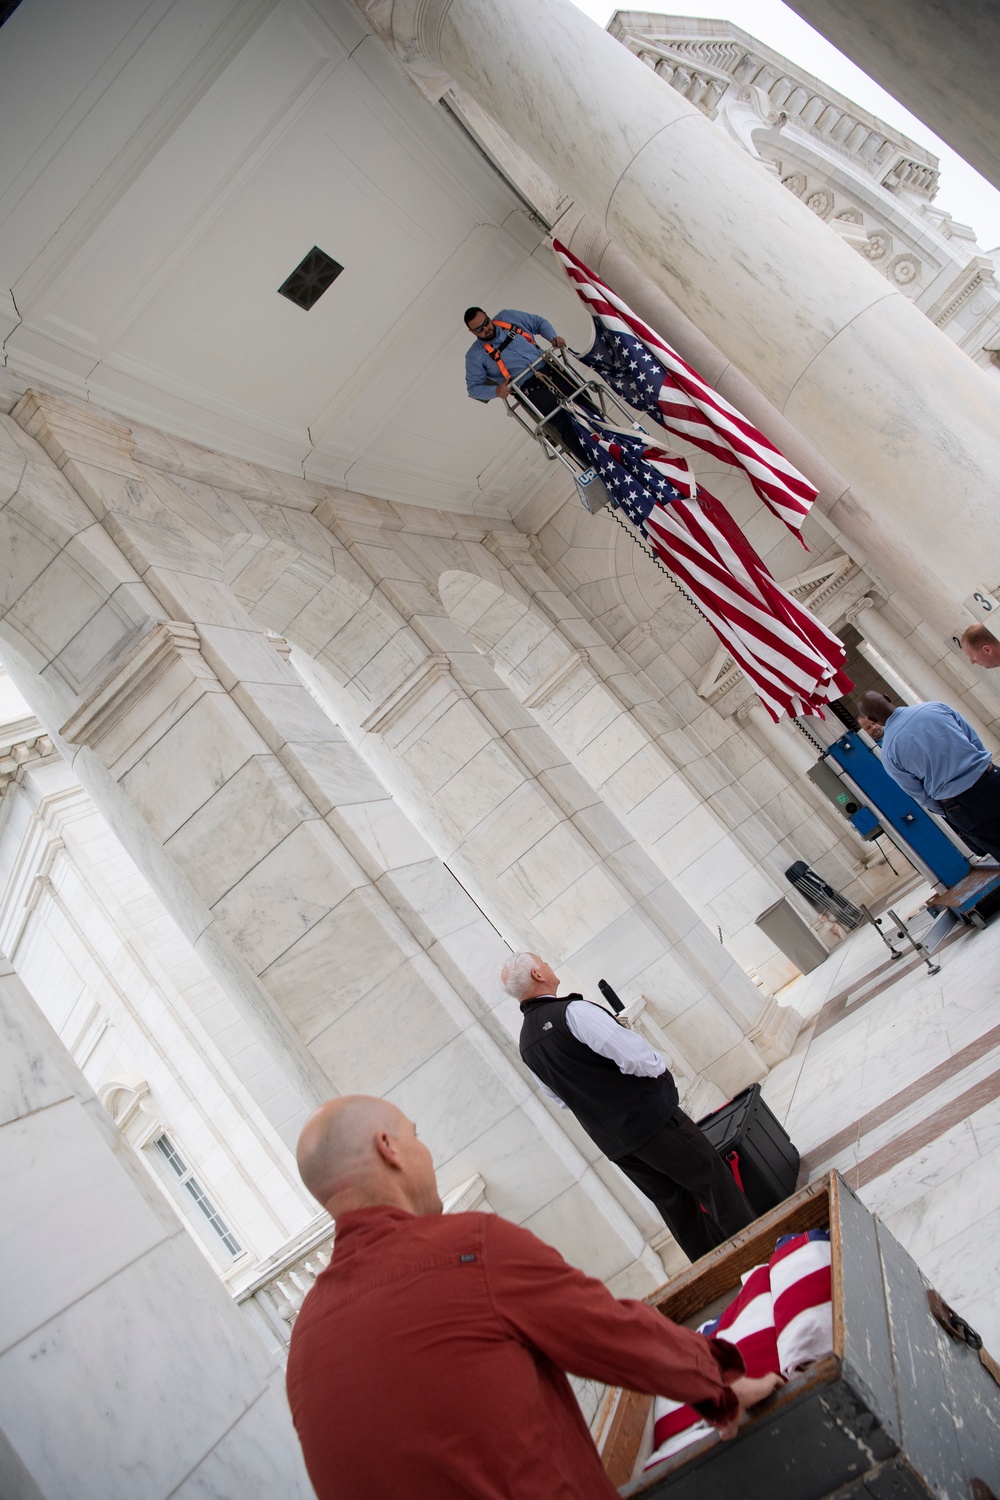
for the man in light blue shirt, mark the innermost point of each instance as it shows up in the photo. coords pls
(505, 346)
(932, 753)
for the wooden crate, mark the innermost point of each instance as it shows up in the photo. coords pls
(898, 1411)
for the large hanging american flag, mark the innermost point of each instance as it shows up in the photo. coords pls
(652, 377)
(793, 661)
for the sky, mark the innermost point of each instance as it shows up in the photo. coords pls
(968, 197)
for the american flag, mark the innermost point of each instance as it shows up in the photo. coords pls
(794, 663)
(653, 378)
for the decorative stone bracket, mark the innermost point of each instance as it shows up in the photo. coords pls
(127, 1100)
(102, 716)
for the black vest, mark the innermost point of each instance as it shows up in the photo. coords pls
(619, 1111)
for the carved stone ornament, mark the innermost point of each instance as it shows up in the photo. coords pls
(854, 612)
(850, 216)
(820, 202)
(760, 103)
(796, 183)
(878, 246)
(904, 269)
(127, 1100)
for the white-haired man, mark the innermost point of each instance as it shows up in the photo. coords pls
(622, 1094)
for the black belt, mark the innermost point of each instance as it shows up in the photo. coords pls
(954, 801)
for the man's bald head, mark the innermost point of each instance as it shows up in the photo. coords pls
(359, 1151)
(981, 646)
(875, 706)
(338, 1141)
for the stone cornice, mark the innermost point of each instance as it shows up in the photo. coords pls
(426, 673)
(128, 682)
(704, 51)
(977, 273)
(554, 681)
(73, 430)
(637, 637)
(20, 753)
(511, 548)
(412, 29)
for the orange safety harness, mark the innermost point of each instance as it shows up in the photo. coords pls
(495, 353)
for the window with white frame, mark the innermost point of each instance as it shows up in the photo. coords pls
(190, 1184)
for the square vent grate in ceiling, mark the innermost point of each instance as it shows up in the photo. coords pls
(310, 279)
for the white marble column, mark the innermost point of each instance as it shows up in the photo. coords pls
(796, 756)
(890, 401)
(126, 1369)
(915, 678)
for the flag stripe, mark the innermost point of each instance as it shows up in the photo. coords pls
(792, 660)
(687, 405)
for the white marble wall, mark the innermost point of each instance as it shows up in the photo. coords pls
(322, 912)
(503, 743)
(126, 1370)
(753, 810)
(532, 840)
(133, 1004)
(587, 701)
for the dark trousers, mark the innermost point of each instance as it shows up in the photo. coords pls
(679, 1170)
(977, 812)
(966, 837)
(561, 426)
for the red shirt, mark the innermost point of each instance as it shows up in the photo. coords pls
(427, 1361)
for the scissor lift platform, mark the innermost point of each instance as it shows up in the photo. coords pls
(972, 892)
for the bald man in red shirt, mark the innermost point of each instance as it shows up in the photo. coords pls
(428, 1360)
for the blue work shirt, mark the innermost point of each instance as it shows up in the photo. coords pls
(932, 753)
(482, 373)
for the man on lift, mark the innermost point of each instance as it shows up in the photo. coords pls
(505, 347)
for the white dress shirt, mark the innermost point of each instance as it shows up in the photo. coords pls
(597, 1029)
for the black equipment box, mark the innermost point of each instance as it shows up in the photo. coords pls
(907, 1407)
(756, 1147)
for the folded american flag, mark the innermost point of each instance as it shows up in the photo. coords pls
(792, 660)
(643, 368)
(781, 1320)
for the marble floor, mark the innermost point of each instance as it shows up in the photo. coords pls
(895, 1081)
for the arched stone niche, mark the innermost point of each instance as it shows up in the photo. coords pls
(527, 833)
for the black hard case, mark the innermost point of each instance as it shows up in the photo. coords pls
(898, 1411)
(755, 1143)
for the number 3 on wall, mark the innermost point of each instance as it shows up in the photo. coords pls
(982, 602)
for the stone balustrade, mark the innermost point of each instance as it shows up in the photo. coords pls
(273, 1297)
(277, 1289)
(703, 60)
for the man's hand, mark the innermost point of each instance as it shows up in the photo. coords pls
(749, 1392)
(558, 343)
(503, 391)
